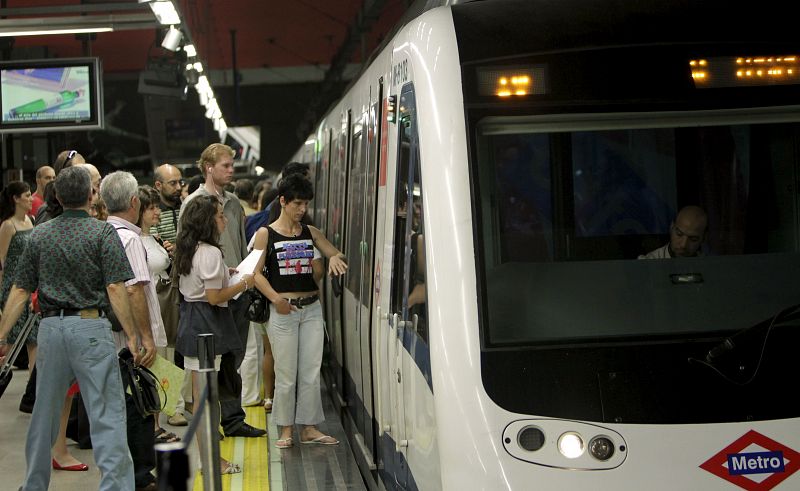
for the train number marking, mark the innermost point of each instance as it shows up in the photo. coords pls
(400, 73)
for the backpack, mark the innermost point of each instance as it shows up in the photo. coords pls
(255, 221)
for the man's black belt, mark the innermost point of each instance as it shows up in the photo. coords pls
(303, 301)
(82, 313)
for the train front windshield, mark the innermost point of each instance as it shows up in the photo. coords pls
(568, 217)
(580, 320)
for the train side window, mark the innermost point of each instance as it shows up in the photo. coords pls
(409, 297)
(355, 224)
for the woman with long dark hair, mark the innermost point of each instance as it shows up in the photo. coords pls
(15, 229)
(206, 289)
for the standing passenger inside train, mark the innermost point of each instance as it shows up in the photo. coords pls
(204, 283)
(285, 277)
(74, 339)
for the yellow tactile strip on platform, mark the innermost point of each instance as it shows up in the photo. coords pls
(252, 454)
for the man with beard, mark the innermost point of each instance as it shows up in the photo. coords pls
(169, 184)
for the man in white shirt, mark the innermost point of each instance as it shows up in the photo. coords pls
(686, 235)
(119, 190)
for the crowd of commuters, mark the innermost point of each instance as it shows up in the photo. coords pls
(111, 265)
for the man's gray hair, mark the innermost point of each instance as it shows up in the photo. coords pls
(73, 186)
(117, 189)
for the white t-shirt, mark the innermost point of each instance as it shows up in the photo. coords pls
(208, 272)
(157, 257)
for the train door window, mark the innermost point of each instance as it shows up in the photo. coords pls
(409, 293)
(355, 223)
(338, 186)
(321, 181)
(369, 205)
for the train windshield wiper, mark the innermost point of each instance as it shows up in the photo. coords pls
(729, 358)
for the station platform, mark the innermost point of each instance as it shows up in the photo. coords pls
(264, 467)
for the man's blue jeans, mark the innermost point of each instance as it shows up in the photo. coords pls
(71, 347)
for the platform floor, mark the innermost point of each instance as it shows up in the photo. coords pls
(303, 467)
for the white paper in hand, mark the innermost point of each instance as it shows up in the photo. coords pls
(248, 266)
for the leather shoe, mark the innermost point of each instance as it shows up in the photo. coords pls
(76, 467)
(247, 431)
(26, 406)
(150, 487)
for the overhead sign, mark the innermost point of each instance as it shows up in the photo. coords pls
(754, 462)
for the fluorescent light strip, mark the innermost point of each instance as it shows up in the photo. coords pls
(45, 32)
(165, 12)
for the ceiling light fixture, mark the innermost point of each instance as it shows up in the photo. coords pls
(55, 30)
(172, 39)
(165, 12)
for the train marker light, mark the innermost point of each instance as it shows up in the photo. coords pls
(601, 448)
(391, 109)
(570, 444)
(531, 438)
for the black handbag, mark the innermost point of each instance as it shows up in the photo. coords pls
(258, 311)
(143, 384)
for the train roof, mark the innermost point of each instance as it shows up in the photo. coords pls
(491, 29)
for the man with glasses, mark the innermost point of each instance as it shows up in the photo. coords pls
(169, 184)
(686, 235)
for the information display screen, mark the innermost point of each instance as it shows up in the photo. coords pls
(43, 95)
(745, 71)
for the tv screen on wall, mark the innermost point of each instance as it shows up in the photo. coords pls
(50, 95)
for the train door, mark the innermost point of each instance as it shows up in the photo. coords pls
(335, 233)
(352, 281)
(408, 296)
(358, 281)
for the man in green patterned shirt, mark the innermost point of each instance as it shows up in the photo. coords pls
(79, 266)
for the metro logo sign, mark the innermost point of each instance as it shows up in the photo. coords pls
(754, 462)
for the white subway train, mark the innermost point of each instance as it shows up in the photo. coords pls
(493, 175)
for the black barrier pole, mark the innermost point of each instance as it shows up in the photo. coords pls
(212, 480)
(172, 466)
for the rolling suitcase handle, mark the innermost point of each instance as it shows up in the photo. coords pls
(11, 356)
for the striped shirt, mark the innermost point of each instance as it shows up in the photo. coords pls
(131, 239)
(167, 226)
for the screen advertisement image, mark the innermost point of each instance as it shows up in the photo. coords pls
(46, 94)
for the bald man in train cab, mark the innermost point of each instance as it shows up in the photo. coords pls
(686, 235)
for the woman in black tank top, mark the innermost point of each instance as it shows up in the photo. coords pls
(285, 276)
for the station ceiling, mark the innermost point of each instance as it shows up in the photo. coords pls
(283, 52)
(269, 33)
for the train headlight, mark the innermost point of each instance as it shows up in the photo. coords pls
(601, 448)
(530, 438)
(570, 444)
